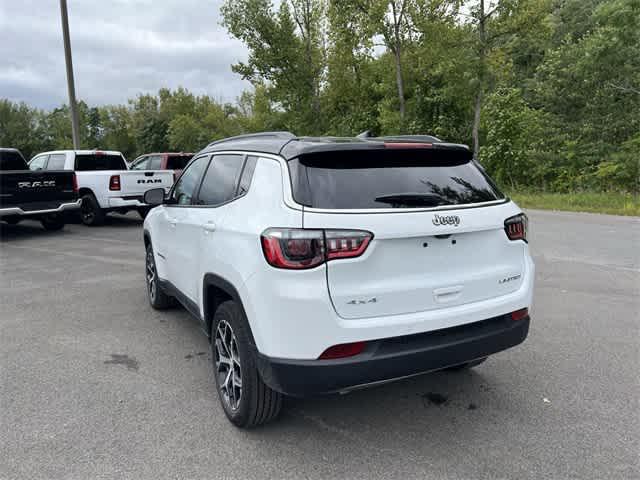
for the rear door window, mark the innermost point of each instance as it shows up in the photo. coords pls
(56, 161)
(390, 179)
(155, 162)
(99, 161)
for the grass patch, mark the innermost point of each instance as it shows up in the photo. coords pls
(611, 203)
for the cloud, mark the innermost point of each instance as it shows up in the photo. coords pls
(121, 48)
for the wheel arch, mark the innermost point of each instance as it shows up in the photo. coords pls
(85, 191)
(146, 237)
(216, 290)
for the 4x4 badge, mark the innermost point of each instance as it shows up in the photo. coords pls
(446, 220)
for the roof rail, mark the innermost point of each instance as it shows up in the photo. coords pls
(248, 136)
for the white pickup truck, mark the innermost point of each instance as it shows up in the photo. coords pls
(105, 183)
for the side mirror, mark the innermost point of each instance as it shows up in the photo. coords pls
(154, 196)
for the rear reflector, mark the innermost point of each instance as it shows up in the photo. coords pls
(75, 183)
(114, 182)
(519, 314)
(343, 350)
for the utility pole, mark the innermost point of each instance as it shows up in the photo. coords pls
(73, 107)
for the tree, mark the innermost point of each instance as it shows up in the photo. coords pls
(286, 54)
(494, 22)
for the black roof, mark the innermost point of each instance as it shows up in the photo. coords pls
(290, 146)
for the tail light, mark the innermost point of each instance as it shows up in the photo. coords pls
(519, 314)
(114, 182)
(343, 350)
(516, 227)
(298, 249)
(75, 183)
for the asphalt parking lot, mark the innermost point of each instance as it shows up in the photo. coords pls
(96, 384)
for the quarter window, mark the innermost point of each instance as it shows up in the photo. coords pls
(220, 183)
(185, 188)
(247, 175)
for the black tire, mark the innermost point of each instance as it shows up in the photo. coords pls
(90, 212)
(468, 365)
(12, 221)
(53, 222)
(143, 212)
(157, 296)
(257, 403)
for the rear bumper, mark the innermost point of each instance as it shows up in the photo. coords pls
(130, 201)
(19, 212)
(394, 358)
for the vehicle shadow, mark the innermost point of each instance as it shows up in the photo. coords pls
(32, 229)
(25, 230)
(111, 219)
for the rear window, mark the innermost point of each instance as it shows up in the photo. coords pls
(178, 162)
(390, 179)
(92, 161)
(12, 160)
(56, 161)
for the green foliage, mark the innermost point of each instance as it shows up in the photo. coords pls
(556, 84)
(611, 203)
(514, 150)
(286, 54)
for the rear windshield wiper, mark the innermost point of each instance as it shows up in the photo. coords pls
(400, 200)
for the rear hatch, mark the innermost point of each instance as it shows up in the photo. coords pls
(437, 222)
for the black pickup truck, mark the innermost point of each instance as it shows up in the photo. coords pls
(43, 195)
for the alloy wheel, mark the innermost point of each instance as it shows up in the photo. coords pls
(151, 275)
(227, 362)
(87, 213)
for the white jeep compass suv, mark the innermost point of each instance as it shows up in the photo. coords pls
(321, 265)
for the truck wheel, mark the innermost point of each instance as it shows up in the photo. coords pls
(90, 212)
(53, 222)
(143, 212)
(246, 399)
(157, 297)
(467, 366)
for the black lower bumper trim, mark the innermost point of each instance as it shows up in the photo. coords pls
(395, 357)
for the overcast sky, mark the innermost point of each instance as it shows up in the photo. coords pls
(120, 48)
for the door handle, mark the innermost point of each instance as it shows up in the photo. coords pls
(209, 227)
(173, 222)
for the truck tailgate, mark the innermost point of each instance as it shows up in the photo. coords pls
(136, 182)
(36, 190)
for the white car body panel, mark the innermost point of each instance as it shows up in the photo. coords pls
(297, 314)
